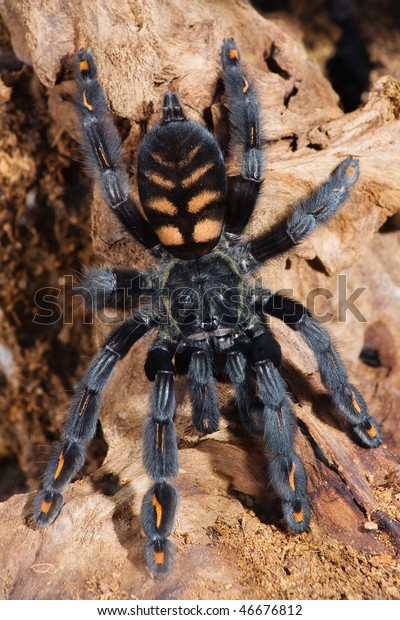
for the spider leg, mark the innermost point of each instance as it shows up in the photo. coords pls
(258, 345)
(194, 360)
(81, 422)
(102, 146)
(107, 288)
(308, 213)
(347, 399)
(242, 378)
(285, 468)
(276, 420)
(203, 392)
(160, 457)
(244, 118)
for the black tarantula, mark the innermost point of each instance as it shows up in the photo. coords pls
(208, 315)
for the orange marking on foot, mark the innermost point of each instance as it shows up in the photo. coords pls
(170, 235)
(350, 170)
(371, 431)
(162, 205)
(233, 54)
(201, 200)
(355, 403)
(158, 557)
(160, 180)
(158, 508)
(86, 102)
(298, 516)
(45, 507)
(291, 477)
(206, 230)
(83, 66)
(246, 86)
(196, 175)
(60, 465)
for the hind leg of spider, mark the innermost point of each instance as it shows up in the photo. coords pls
(81, 423)
(160, 457)
(346, 398)
(285, 468)
(102, 146)
(244, 116)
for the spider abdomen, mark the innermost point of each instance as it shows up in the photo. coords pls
(182, 187)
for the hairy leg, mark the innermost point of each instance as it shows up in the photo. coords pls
(160, 457)
(307, 214)
(347, 399)
(244, 116)
(102, 147)
(81, 422)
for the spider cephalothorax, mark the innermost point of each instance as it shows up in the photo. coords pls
(208, 315)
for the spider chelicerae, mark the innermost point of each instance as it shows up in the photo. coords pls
(206, 311)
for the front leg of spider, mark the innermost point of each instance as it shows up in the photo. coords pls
(277, 422)
(203, 393)
(348, 402)
(160, 457)
(81, 422)
(285, 468)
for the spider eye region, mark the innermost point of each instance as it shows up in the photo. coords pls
(204, 295)
(211, 325)
(182, 187)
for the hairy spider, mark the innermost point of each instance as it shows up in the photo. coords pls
(208, 316)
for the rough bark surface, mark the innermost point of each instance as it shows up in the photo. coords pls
(229, 540)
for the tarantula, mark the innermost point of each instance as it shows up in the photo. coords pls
(208, 317)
